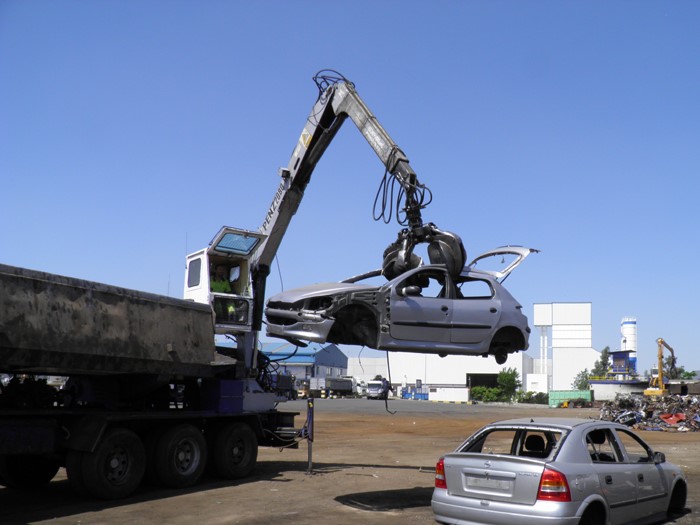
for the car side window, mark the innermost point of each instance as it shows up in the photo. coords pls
(602, 447)
(473, 289)
(637, 451)
(432, 283)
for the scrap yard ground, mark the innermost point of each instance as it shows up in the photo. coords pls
(369, 467)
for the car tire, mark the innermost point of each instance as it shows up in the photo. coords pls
(676, 504)
(593, 515)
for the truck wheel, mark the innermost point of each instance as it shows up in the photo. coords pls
(27, 471)
(116, 466)
(235, 451)
(74, 471)
(180, 456)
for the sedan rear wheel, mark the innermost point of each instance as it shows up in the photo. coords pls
(593, 515)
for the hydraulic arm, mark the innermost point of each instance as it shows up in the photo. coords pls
(337, 101)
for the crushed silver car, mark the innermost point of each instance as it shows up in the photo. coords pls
(424, 310)
(556, 470)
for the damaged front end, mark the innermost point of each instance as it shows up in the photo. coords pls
(343, 315)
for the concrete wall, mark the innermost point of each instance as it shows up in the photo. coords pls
(449, 394)
(537, 383)
(568, 362)
(406, 368)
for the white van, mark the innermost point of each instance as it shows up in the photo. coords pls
(375, 390)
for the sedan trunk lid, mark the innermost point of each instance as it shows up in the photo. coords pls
(493, 477)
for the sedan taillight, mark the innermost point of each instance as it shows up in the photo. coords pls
(440, 481)
(553, 486)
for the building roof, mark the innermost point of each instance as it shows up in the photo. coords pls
(316, 353)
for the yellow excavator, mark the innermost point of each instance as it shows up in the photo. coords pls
(656, 383)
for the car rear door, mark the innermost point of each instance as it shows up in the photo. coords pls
(651, 491)
(476, 310)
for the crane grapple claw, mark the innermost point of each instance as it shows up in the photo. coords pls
(443, 248)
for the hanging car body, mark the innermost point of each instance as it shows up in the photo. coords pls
(425, 310)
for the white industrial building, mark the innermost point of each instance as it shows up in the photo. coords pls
(568, 327)
(564, 349)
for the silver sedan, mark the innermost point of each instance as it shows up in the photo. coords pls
(554, 470)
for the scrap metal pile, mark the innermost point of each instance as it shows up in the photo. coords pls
(671, 413)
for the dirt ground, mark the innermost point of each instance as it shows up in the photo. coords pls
(368, 467)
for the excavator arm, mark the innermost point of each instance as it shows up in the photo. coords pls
(337, 101)
(656, 384)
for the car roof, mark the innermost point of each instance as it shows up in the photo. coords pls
(559, 422)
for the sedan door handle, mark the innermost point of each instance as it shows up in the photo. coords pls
(493, 310)
(444, 308)
(608, 480)
(640, 477)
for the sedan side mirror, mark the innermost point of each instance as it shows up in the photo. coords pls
(410, 291)
(659, 457)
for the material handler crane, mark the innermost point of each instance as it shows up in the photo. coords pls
(149, 391)
(656, 383)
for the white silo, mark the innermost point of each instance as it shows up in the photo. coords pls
(628, 343)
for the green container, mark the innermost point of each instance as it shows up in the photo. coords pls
(557, 397)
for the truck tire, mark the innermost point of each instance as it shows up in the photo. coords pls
(116, 467)
(26, 471)
(74, 471)
(235, 451)
(180, 456)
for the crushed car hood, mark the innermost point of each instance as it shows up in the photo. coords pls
(297, 294)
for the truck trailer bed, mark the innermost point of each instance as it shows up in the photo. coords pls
(51, 324)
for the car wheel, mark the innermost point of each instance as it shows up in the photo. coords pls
(593, 515)
(676, 504)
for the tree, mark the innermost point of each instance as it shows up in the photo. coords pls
(673, 371)
(508, 382)
(581, 381)
(602, 365)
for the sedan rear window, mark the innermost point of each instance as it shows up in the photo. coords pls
(530, 442)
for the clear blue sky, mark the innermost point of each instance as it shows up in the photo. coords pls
(131, 131)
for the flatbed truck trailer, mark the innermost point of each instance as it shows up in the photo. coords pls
(148, 394)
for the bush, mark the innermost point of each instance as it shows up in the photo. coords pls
(486, 394)
(539, 398)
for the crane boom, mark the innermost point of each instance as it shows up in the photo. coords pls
(656, 384)
(337, 101)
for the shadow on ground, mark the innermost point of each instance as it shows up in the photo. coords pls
(388, 500)
(57, 500)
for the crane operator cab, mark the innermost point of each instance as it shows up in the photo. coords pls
(220, 276)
